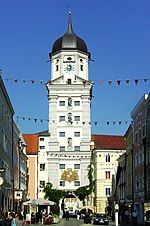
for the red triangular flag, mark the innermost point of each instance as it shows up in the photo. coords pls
(118, 81)
(32, 81)
(101, 81)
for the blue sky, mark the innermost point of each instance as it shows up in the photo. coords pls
(117, 33)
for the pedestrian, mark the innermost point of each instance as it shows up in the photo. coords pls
(126, 216)
(78, 215)
(67, 215)
(11, 216)
(18, 220)
(134, 216)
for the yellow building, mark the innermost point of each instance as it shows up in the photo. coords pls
(105, 153)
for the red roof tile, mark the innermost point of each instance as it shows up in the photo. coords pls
(32, 141)
(109, 142)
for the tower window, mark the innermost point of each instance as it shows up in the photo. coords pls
(69, 58)
(61, 103)
(62, 183)
(57, 67)
(62, 134)
(61, 118)
(62, 148)
(76, 183)
(62, 166)
(77, 118)
(77, 134)
(81, 67)
(76, 166)
(69, 81)
(77, 148)
(77, 103)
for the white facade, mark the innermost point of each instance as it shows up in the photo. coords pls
(42, 164)
(66, 151)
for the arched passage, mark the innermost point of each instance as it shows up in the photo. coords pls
(70, 203)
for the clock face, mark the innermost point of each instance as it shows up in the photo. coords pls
(69, 68)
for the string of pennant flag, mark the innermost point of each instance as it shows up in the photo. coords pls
(96, 123)
(109, 82)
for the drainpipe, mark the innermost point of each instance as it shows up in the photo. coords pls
(132, 152)
(13, 200)
(144, 145)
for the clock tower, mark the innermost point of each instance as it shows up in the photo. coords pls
(69, 96)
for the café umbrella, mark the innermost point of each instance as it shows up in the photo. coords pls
(39, 202)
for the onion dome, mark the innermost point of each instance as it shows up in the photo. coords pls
(69, 41)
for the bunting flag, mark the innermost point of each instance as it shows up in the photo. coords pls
(109, 82)
(31, 119)
(95, 123)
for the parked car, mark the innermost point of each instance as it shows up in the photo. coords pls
(101, 218)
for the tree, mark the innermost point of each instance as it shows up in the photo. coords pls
(53, 194)
(82, 193)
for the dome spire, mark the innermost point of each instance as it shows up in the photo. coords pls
(69, 20)
(69, 41)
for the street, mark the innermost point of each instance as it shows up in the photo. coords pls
(71, 222)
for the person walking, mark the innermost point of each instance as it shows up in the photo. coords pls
(67, 215)
(11, 216)
(18, 220)
(78, 215)
(126, 216)
(134, 216)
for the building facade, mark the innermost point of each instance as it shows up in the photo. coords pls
(139, 162)
(146, 143)
(6, 150)
(69, 97)
(129, 189)
(32, 145)
(107, 150)
(20, 187)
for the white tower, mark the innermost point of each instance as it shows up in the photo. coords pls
(69, 96)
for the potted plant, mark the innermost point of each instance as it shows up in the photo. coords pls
(55, 218)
